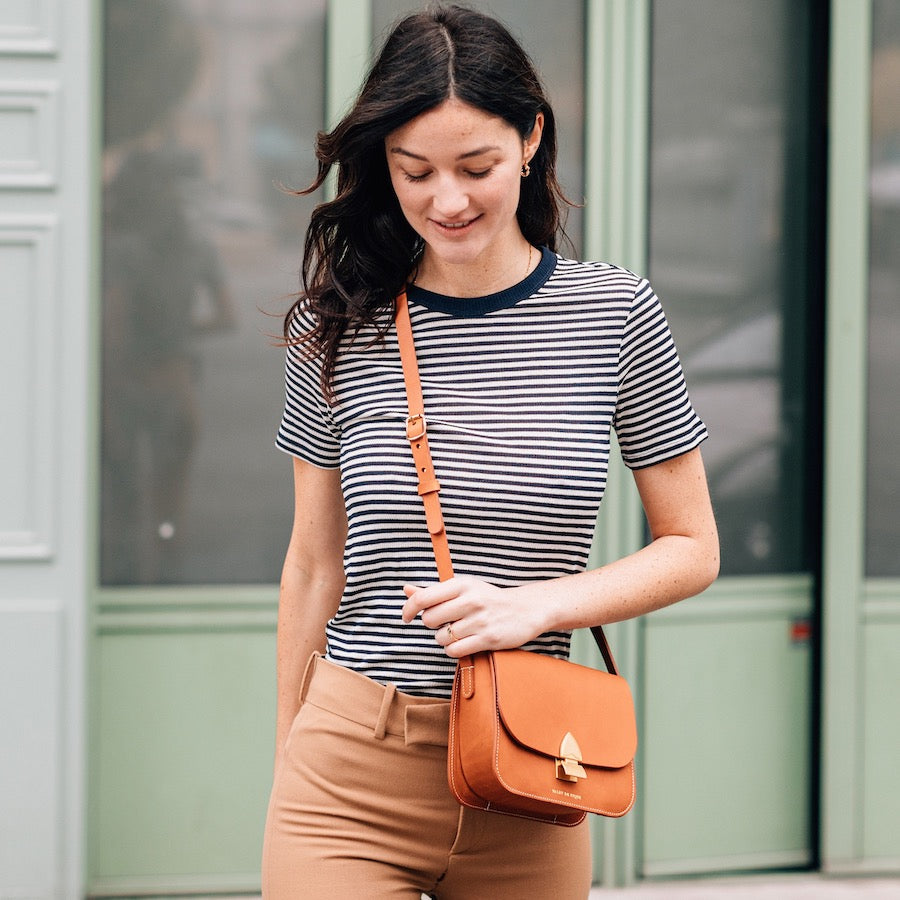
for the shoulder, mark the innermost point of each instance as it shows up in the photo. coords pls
(300, 320)
(595, 276)
(607, 288)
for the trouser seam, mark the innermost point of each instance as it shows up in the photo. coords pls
(452, 849)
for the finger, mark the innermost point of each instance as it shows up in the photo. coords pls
(449, 633)
(464, 646)
(470, 640)
(419, 599)
(410, 610)
(444, 635)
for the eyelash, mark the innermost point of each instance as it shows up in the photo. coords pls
(475, 175)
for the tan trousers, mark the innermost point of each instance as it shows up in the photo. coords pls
(360, 808)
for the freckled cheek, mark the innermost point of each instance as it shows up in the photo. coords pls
(502, 197)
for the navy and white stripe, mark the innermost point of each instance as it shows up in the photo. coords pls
(521, 391)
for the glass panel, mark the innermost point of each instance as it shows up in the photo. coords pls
(553, 35)
(883, 470)
(727, 254)
(209, 105)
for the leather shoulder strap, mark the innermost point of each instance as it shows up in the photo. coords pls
(429, 487)
(417, 435)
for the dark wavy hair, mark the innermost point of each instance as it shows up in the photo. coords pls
(359, 249)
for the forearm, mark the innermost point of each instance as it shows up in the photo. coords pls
(667, 570)
(681, 560)
(307, 601)
(312, 582)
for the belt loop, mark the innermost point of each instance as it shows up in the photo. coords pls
(386, 700)
(308, 675)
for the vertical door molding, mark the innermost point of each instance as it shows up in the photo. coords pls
(845, 429)
(348, 52)
(617, 84)
(46, 245)
(31, 303)
(617, 92)
(348, 46)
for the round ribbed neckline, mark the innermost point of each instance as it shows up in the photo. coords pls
(479, 306)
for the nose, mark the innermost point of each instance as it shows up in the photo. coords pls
(450, 198)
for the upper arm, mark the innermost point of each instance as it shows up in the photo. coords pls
(676, 499)
(319, 532)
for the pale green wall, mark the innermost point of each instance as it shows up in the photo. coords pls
(47, 462)
(46, 251)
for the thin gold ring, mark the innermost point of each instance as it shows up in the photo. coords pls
(450, 633)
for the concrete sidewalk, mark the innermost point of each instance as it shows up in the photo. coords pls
(803, 886)
(800, 886)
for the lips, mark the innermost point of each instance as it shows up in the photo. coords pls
(455, 227)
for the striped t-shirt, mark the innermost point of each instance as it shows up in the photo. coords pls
(521, 390)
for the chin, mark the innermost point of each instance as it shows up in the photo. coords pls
(460, 251)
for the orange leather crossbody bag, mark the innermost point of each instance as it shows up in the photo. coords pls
(530, 735)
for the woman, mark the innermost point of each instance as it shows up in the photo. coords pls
(447, 187)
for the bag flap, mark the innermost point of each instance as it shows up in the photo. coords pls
(541, 699)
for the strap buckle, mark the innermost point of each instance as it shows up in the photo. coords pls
(415, 427)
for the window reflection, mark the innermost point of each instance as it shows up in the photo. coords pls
(883, 470)
(725, 250)
(204, 106)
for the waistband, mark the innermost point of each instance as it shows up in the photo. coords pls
(384, 709)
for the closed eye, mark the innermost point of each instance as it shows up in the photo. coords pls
(483, 173)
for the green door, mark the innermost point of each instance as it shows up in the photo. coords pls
(735, 251)
(210, 110)
(861, 578)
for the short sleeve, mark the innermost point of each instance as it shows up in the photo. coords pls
(307, 428)
(654, 418)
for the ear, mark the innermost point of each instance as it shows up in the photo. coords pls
(533, 141)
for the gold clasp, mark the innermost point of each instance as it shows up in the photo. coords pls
(568, 764)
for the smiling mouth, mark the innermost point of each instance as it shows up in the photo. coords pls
(455, 226)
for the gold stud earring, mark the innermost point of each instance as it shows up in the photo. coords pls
(526, 170)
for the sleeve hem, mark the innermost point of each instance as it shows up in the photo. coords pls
(298, 453)
(667, 454)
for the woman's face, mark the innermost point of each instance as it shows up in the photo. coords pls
(457, 173)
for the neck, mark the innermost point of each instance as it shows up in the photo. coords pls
(479, 277)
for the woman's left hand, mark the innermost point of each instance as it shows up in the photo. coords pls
(469, 615)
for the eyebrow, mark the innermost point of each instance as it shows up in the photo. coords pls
(471, 153)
